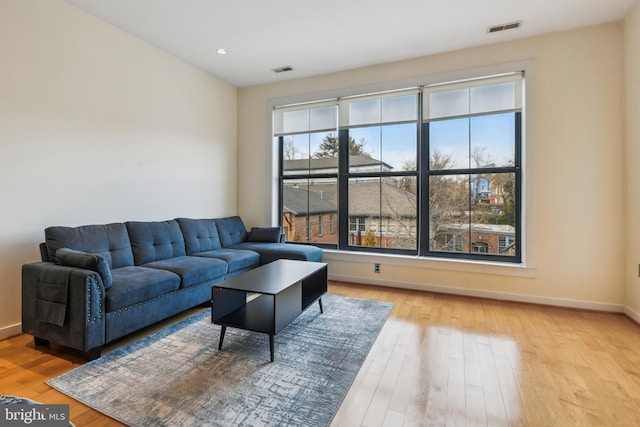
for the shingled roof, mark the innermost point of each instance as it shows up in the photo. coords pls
(320, 200)
(331, 163)
(364, 199)
(367, 198)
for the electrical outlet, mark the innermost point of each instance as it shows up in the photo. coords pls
(376, 268)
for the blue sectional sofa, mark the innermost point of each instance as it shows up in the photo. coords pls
(97, 283)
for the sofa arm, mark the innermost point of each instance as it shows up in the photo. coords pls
(64, 305)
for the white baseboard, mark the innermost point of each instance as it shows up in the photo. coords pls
(503, 296)
(10, 331)
(634, 315)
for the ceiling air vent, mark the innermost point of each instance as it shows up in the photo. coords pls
(503, 27)
(282, 69)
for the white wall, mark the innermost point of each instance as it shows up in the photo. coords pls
(632, 140)
(97, 126)
(578, 197)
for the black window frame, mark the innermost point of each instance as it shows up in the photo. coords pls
(422, 175)
(516, 169)
(345, 175)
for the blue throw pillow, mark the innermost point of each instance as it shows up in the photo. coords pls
(265, 234)
(94, 262)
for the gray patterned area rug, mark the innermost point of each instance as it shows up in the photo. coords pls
(177, 376)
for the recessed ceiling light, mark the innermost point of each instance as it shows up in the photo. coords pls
(221, 51)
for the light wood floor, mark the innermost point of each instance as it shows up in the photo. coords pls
(443, 360)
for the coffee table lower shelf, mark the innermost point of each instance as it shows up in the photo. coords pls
(253, 302)
(255, 316)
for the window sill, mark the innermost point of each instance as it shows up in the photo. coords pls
(457, 265)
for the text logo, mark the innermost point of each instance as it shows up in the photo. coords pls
(34, 415)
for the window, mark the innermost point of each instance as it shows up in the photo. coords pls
(506, 244)
(453, 242)
(481, 247)
(307, 138)
(472, 131)
(357, 223)
(428, 171)
(381, 173)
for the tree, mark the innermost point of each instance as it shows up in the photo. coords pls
(409, 183)
(370, 239)
(479, 157)
(405, 235)
(329, 147)
(448, 198)
(289, 149)
(508, 214)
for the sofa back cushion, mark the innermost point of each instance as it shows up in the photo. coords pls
(111, 241)
(265, 234)
(155, 241)
(231, 230)
(200, 235)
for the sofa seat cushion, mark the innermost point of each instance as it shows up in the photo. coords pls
(192, 270)
(133, 285)
(237, 259)
(272, 251)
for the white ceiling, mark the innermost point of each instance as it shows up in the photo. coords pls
(323, 36)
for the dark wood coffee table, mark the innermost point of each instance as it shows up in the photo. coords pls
(268, 298)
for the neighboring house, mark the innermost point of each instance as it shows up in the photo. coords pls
(310, 213)
(480, 190)
(381, 212)
(386, 210)
(485, 190)
(483, 238)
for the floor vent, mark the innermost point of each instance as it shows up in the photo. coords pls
(503, 27)
(282, 69)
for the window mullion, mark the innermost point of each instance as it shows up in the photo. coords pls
(518, 186)
(424, 227)
(343, 189)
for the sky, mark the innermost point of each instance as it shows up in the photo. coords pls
(450, 133)
(396, 144)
